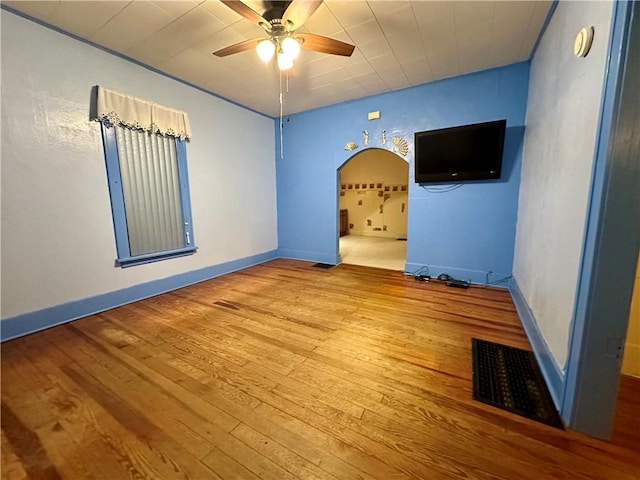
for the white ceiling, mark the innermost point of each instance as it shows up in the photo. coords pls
(398, 43)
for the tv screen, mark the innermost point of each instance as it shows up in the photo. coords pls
(456, 154)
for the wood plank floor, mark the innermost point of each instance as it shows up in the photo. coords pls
(285, 371)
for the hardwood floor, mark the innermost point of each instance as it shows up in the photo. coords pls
(285, 371)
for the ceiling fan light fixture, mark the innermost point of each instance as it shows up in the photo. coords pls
(285, 62)
(265, 50)
(291, 48)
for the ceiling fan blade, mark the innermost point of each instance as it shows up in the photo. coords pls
(238, 47)
(299, 12)
(247, 12)
(319, 43)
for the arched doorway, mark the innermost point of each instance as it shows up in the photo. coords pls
(373, 201)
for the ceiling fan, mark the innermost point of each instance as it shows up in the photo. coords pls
(280, 21)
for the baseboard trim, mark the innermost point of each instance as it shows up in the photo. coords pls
(631, 359)
(32, 322)
(384, 234)
(474, 276)
(552, 374)
(332, 259)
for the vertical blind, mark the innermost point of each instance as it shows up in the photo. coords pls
(151, 188)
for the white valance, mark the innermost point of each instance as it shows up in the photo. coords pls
(115, 108)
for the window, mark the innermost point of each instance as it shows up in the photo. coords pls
(149, 188)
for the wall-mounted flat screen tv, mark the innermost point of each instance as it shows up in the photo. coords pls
(457, 154)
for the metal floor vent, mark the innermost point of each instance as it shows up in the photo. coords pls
(509, 378)
(323, 265)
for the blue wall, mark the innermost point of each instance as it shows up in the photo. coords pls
(465, 232)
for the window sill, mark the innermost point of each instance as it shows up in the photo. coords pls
(154, 257)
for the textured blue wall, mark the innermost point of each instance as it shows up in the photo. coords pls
(465, 232)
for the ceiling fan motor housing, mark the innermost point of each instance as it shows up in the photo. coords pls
(274, 10)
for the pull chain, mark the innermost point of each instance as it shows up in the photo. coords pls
(281, 124)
